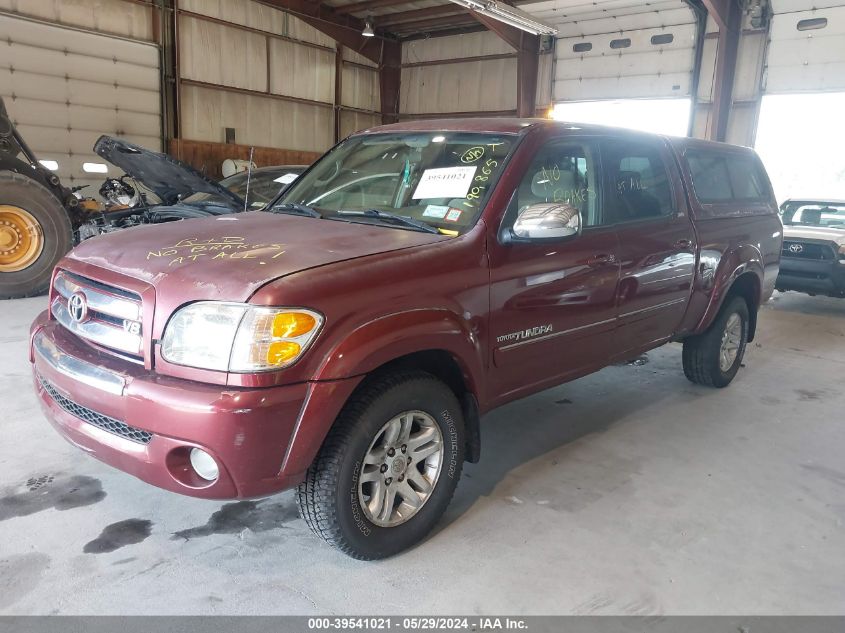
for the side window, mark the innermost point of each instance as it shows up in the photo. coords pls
(725, 177)
(561, 172)
(710, 177)
(636, 181)
(746, 181)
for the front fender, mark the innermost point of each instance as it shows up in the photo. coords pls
(739, 261)
(367, 348)
(395, 335)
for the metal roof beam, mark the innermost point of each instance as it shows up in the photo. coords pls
(367, 5)
(389, 19)
(431, 23)
(344, 29)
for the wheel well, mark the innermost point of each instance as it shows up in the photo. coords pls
(747, 286)
(443, 365)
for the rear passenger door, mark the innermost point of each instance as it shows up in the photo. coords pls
(657, 243)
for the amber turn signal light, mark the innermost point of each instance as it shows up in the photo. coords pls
(292, 324)
(280, 352)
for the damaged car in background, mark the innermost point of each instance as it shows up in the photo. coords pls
(157, 188)
(41, 219)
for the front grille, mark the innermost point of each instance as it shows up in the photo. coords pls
(808, 250)
(104, 422)
(111, 318)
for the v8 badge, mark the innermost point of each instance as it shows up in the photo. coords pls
(133, 327)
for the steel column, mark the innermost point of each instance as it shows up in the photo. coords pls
(390, 75)
(728, 15)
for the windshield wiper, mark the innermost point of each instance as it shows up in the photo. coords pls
(293, 208)
(390, 218)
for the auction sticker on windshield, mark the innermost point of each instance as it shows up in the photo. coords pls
(435, 211)
(286, 179)
(445, 182)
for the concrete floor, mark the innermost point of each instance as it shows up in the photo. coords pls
(627, 492)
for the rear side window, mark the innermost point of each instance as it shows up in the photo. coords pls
(636, 181)
(720, 177)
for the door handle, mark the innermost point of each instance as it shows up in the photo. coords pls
(600, 260)
(684, 245)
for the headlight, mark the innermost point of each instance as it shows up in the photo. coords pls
(237, 337)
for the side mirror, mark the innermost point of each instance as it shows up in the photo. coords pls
(547, 221)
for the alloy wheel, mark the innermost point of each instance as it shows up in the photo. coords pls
(731, 342)
(401, 468)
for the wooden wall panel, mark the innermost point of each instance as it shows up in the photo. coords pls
(208, 157)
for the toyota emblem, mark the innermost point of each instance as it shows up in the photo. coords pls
(795, 248)
(77, 305)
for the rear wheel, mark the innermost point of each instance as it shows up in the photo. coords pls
(35, 233)
(714, 358)
(388, 468)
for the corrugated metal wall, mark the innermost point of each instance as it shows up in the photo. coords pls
(64, 86)
(268, 75)
(433, 82)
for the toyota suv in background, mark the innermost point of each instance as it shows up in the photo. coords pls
(813, 256)
(346, 340)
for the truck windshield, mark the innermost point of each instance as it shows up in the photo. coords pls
(438, 178)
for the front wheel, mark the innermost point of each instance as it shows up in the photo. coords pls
(388, 468)
(714, 358)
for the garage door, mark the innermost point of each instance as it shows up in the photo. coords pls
(64, 87)
(806, 47)
(621, 49)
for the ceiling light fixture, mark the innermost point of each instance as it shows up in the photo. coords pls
(508, 15)
(368, 29)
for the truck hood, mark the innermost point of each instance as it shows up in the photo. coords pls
(229, 257)
(796, 232)
(166, 177)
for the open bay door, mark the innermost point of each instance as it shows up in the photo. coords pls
(624, 50)
(800, 133)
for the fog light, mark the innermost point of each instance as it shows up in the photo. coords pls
(204, 464)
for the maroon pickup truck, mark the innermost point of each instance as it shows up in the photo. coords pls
(347, 339)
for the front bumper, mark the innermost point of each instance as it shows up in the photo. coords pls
(146, 424)
(823, 277)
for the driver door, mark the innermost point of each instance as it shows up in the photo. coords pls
(553, 301)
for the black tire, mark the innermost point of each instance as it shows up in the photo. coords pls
(22, 192)
(701, 353)
(328, 499)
